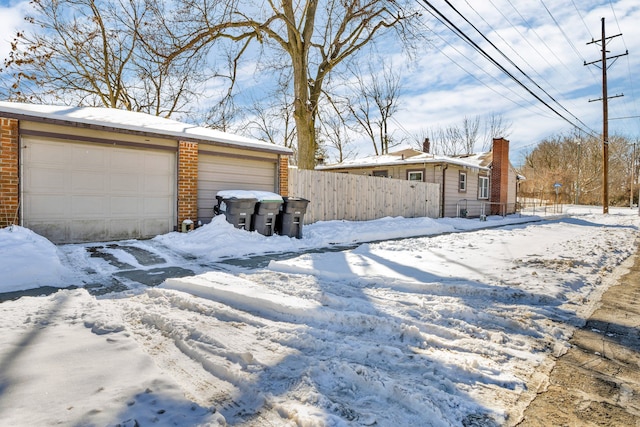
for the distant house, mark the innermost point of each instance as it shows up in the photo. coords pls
(471, 185)
(75, 174)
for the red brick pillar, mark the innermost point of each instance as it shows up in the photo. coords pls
(283, 178)
(187, 182)
(499, 175)
(9, 173)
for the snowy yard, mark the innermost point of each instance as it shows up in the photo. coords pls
(454, 328)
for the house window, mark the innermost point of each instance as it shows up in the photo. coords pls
(483, 187)
(415, 176)
(383, 173)
(462, 182)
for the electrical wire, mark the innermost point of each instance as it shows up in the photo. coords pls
(526, 39)
(549, 84)
(630, 79)
(485, 72)
(582, 19)
(562, 31)
(447, 22)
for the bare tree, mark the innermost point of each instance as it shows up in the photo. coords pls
(335, 129)
(89, 52)
(470, 130)
(272, 120)
(462, 138)
(373, 102)
(495, 126)
(312, 39)
(575, 162)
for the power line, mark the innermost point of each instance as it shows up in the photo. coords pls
(516, 51)
(484, 71)
(582, 19)
(562, 31)
(447, 22)
(629, 74)
(526, 22)
(526, 39)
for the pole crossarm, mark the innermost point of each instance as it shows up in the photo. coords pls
(611, 97)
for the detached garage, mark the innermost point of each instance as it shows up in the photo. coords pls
(97, 174)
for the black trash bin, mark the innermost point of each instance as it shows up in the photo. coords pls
(264, 218)
(237, 211)
(291, 217)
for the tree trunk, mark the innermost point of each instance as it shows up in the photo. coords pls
(305, 126)
(303, 114)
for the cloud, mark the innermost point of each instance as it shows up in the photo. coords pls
(453, 81)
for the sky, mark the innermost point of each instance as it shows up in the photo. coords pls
(545, 40)
(458, 325)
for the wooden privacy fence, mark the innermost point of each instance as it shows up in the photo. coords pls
(360, 198)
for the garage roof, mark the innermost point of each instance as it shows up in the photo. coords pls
(130, 121)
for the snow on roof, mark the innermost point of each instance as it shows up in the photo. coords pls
(404, 157)
(134, 121)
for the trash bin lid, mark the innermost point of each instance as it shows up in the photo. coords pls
(261, 196)
(267, 196)
(235, 194)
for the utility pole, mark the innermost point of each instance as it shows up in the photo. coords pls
(633, 175)
(605, 114)
(577, 201)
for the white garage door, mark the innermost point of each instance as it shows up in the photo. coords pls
(216, 173)
(87, 192)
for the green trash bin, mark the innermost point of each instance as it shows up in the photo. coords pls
(266, 211)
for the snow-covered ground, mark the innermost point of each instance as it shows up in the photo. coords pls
(454, 328)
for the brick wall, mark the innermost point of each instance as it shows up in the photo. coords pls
(499, 174)
(283, 176)
(9, 173)
(187, 181)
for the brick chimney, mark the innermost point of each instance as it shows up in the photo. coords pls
(499, 174)
(426, 145)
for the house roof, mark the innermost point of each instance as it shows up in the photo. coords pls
(480, 161)
(130, 121)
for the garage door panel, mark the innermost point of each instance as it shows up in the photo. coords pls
(92, 193)
(123, 228)
(150, 225)
(88, 181)
(157, 184)
(46, 179)
(123, 160)
(48, 206)
(54, 230)
(156, 163)
(156, 206)
(124, 183)
(124, 206)
(93, 230)
(88, 206)
(88, 157)
(47, 154)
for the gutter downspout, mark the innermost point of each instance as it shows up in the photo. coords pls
(444, 171)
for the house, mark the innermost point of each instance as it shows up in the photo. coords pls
(75, 174)
(471, 185)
